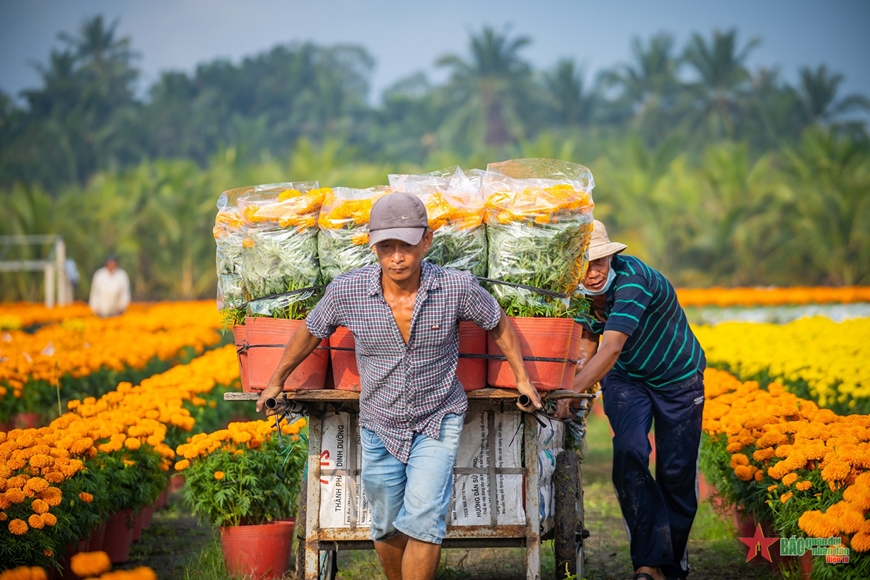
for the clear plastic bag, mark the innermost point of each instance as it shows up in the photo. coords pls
(455, 208)
(539, 221)
(343, 243)
(229, 235)
(279, 250)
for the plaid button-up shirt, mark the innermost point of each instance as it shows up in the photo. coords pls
(405, 388)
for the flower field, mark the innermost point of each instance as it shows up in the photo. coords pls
(84, 355)
(787, 430)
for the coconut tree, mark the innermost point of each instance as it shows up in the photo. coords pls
(817, 95)
(487, 92)
(648, 85)
(722, 81)
(571, 102)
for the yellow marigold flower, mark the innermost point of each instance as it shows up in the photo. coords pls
(219, 475)
(132, 444)
(36, 522)
(817, 525)
(49, 519)
(39, 506)
(18, 527)
(88, 564)
(786, 497)
(789, 478)
(803, 485)
(182, 465)
(86, 497)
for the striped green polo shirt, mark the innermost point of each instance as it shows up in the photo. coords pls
(661, 349)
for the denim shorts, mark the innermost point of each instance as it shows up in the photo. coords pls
(411, 499)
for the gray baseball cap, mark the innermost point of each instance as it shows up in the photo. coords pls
(398, 216)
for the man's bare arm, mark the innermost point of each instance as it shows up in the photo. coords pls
(601, 362)
(301, 344)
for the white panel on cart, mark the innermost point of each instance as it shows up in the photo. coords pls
(341, 494)
(472, 503)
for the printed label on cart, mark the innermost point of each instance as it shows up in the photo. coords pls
(342, 498)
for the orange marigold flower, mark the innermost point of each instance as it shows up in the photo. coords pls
(86, 497)
(786, 497)
(739, 459)
(15, 495)
(836, 470)
(18, 527)
(789, 478)
(182, 465)
(745, 472)
(36, 484)
(860, 542)
(803, 485)
(39, 506)
(41, 460)
(54, 477)
(3, 517)
(763, 454)
(759, 475)
(772, 487)
(219, 475)
(52, 496)
(36, 522)
(132, 443)
(88, 564)
(49, 519)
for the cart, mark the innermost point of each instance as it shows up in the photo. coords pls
(318, 545)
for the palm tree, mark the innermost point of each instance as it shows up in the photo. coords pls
(722, 80)
(572, 104)
(648, 85)
(817, 94)
(106, 58)
(487, 92)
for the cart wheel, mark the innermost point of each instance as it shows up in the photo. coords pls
(328, 564)
(568, 517)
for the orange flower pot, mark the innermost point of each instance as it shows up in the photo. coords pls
(345, 373)
(554, 338)
(259, 552)
(267, 338)
(240, 334)
(119, 536)
(471, 372)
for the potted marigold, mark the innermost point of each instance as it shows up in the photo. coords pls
(245, 479)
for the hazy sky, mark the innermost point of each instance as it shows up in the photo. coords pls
(405, 36)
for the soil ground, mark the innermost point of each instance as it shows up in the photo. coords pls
(177, 547)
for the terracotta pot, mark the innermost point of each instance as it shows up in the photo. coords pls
(744, 523)
(267, 338)
(5, 427)
(161, 501)
(240, 333)
(258, 552)
(345, 373)
(176, 482)
(806, 565)
(27, 420)
(96, 540)
(471, 372)
(149, 516)
(139, 525)
(71, 550)
(556, 338)
(119, 536)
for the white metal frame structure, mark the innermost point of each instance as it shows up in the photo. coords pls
(57, 289)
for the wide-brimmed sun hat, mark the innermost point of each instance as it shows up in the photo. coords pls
(600, 245)
(398, 216)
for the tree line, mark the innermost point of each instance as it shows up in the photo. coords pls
(714, 173)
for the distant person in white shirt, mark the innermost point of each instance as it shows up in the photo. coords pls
(110, 290)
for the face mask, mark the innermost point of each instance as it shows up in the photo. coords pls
(611, 275)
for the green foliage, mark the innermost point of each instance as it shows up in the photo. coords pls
(257, 485)
(734, 178)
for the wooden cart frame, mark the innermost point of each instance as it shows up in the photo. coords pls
(318, 546)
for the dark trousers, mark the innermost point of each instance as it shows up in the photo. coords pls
(658, 512)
